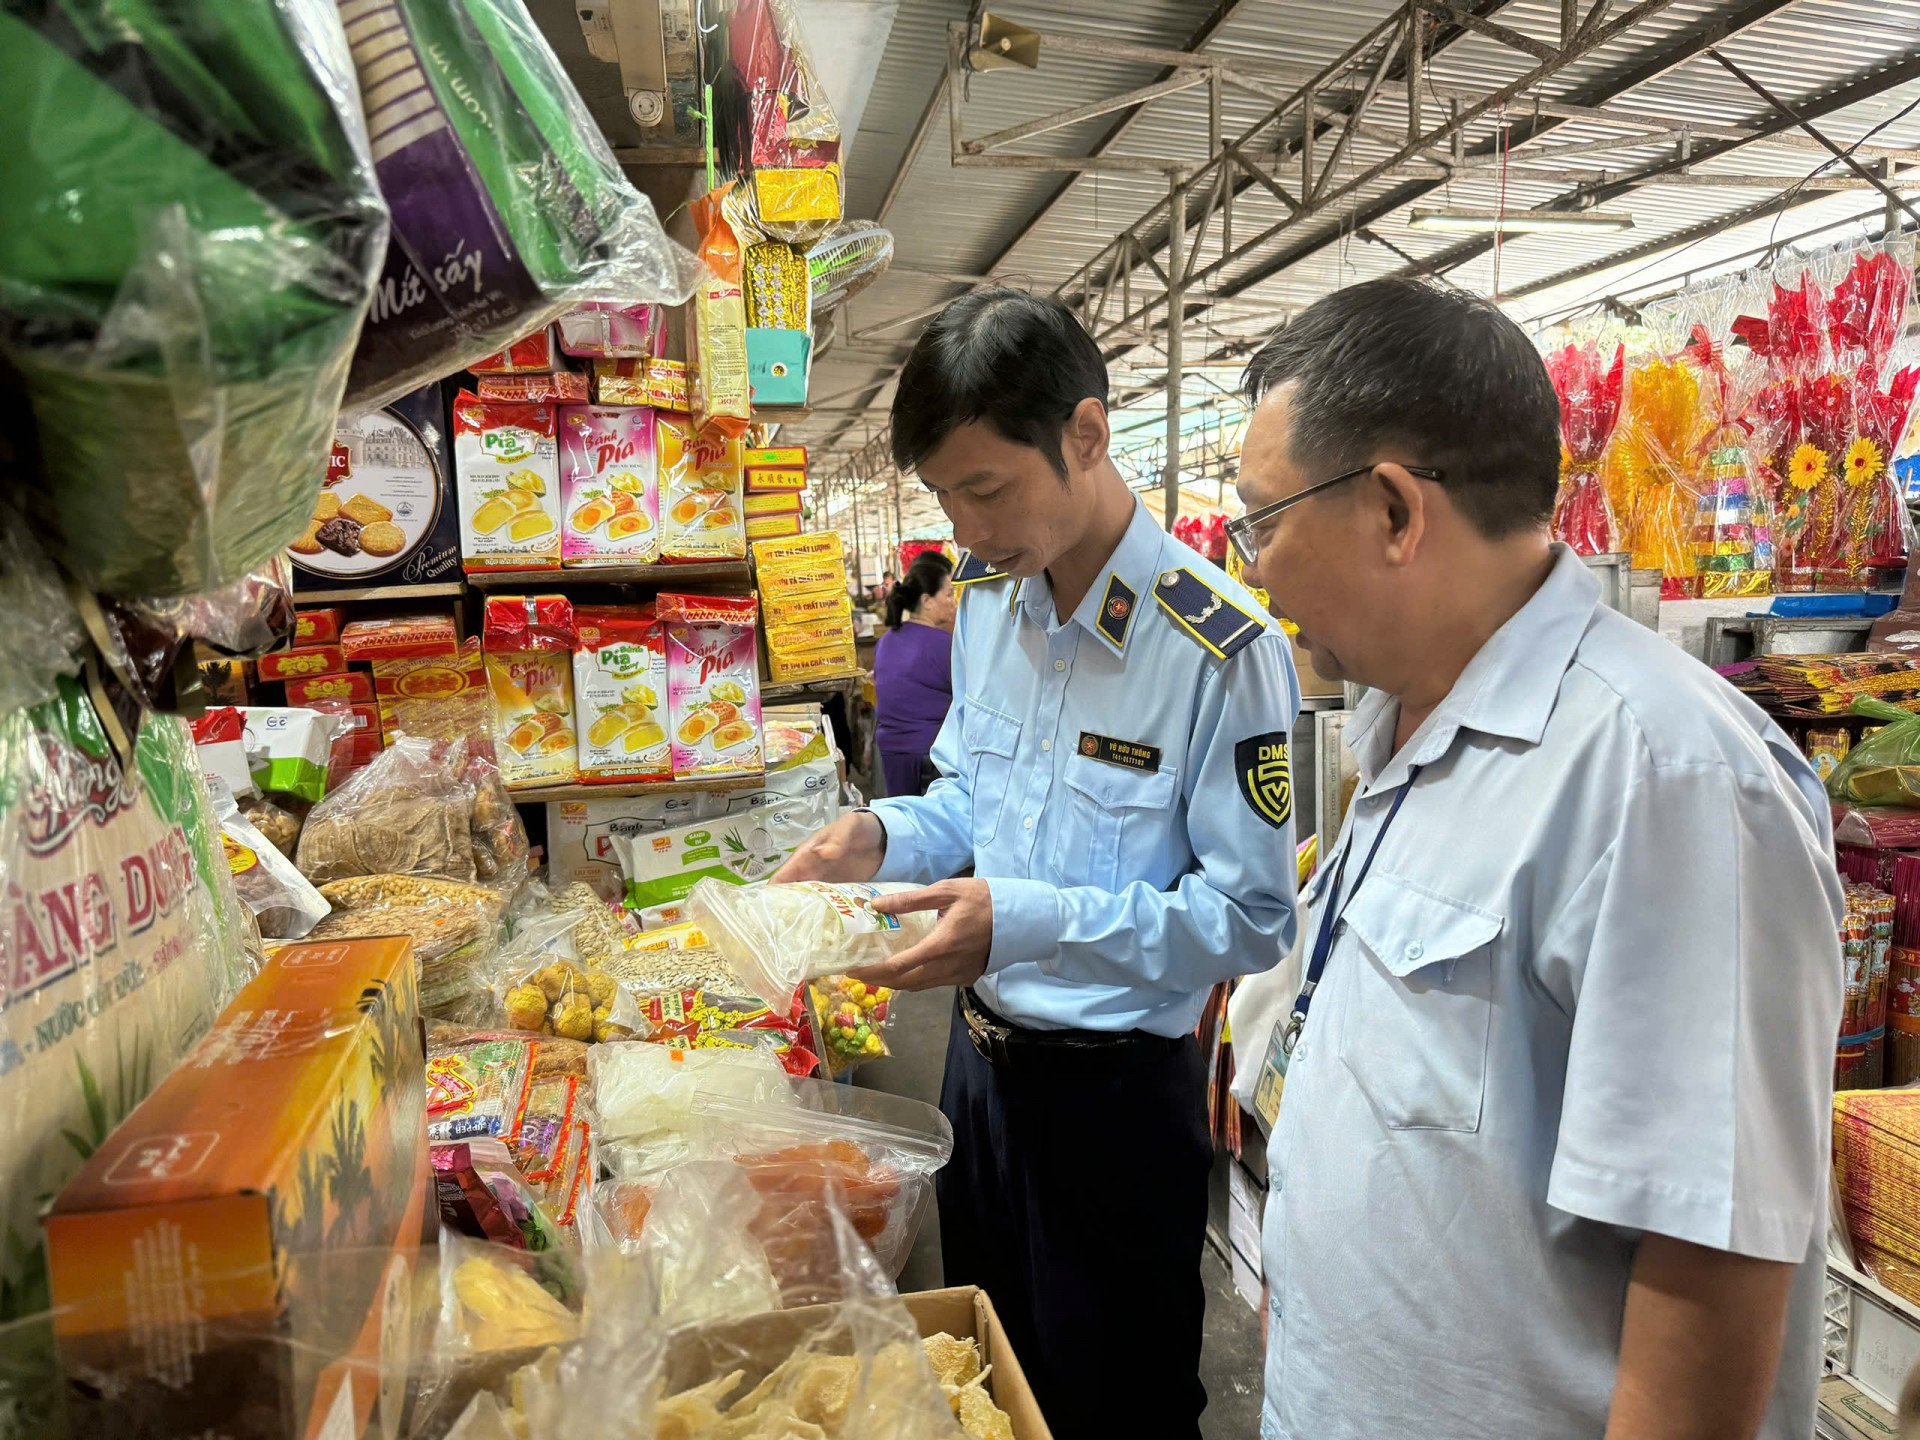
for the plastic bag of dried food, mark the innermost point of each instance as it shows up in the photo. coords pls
(693, 1358)
(194, 230)
(123, 940)
(779, 936)
(284, 903)
(1884, 768)
(547, 987)
(454, 927)
(499, 836)
(508, 206)
(410, 812)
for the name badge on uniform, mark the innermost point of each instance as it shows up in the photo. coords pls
(1128, 753)
(1272, 1083)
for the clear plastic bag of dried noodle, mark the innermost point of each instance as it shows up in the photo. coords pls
(409, 812)
(695, 1359)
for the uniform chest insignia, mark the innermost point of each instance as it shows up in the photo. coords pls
(1219, 625)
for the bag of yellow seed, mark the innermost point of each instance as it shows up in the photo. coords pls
(850, 1020)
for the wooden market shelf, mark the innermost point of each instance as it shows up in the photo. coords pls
(717, 785)
(662, 575)
(450, 590)
(781, 414)
(796, 689)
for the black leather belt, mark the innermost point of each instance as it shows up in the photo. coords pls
(1000, 1041)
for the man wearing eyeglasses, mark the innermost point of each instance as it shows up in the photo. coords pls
(1550, 1157)
(1114, 771)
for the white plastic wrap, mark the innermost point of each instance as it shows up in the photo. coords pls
(777, 937)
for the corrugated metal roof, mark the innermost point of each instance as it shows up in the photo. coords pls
(964, 221)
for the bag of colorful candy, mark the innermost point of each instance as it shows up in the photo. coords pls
(850, 1020)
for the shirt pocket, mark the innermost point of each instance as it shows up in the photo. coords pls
(990, 739)
(1420, 1005)
(1112, 821)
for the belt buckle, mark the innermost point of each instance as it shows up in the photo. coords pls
(988, 1038)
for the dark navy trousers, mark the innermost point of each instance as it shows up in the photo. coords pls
(1077, 1198)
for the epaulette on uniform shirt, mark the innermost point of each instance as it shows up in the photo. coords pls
(1209, 618)
(971, 568)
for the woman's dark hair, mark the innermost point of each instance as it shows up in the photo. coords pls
(1020, 362)
(929, 571)
(1442, 374)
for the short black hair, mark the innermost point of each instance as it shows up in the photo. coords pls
(1020, 362)
(1439, 372)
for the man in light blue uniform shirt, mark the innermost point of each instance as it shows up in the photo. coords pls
(1114, 771)
(1550, 1160)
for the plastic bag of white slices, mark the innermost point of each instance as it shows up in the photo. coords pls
(778, 937)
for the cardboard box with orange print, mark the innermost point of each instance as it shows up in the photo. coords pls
(235, 1258)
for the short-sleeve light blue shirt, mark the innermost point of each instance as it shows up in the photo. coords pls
(1589, 990)
(1121, 786)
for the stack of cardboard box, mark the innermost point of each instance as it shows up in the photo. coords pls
(776, 478)
(808, 613)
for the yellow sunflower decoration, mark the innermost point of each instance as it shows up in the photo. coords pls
(1807, 468)
(1864, 461)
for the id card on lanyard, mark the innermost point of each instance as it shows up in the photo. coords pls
(1272, 1084)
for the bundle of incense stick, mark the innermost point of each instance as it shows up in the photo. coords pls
(1810, 686)
(1876, 1164)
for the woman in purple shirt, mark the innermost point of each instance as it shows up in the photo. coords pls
(913, 672)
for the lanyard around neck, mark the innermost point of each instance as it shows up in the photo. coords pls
(1332, 911)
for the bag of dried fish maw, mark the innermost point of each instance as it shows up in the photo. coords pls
(123, 937)
(193, 234)
(777, 937)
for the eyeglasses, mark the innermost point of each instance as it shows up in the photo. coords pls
(1241, 531)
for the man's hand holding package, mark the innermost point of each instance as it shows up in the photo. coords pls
(955, 953)
(849, 849)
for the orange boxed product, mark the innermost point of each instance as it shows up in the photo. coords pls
(301, 663)
(316, 627)
(772, 502)
(436, 697)
(619, 688)
(772, 527)
(775, 457)
(700, 515)
(531, 354)
(353, 686)
(237, 1256)
(528, 645)
(663, 384)
(400, 636)
(562, 387)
